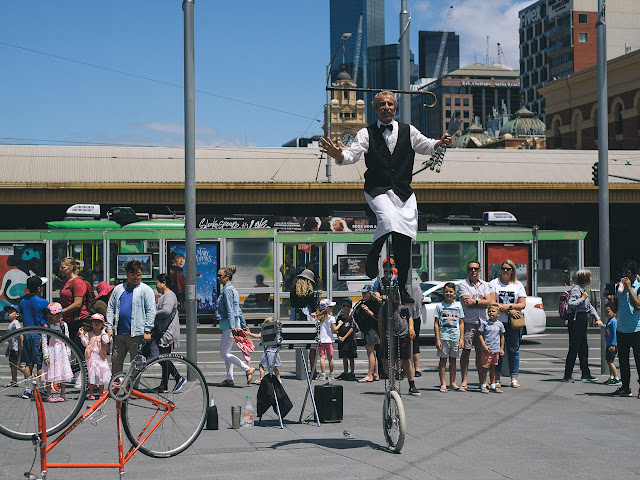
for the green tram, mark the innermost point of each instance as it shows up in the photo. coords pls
(265, 257)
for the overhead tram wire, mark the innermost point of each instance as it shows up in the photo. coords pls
(161, 82)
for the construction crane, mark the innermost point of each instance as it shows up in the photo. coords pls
(443, 44)
(445, 67)
(487, 60)
(356, 59)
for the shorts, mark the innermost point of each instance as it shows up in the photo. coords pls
(325, 349)
(13, 357)
(31, 354)
(450, 348)
(471, 335)
(272, 356)
(403, 347)
(416, 341)
(488, 358)
(611, 356)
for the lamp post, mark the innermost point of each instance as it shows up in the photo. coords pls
(345, 36)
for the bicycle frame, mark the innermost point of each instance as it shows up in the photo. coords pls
(122, 457)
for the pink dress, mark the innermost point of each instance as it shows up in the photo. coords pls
(59, 368)
(96, 357)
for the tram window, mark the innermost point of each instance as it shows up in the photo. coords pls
(450, 259)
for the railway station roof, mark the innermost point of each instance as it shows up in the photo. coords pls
(70, 174)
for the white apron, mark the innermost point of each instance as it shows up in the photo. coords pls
(394, 215)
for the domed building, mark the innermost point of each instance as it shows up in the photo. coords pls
(471, 137)
(347, 112)
(523, 131)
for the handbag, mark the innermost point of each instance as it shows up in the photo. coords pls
(516, 323)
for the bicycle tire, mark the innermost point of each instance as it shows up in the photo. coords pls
(18, 415)
(180, 428)
(394, 421)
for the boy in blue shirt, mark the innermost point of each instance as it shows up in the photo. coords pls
(611, 341)
(491, 338)
(449, 330)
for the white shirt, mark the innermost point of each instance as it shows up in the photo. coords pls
(506, 294)
(326, 335)
(419, 143)
(473, 314)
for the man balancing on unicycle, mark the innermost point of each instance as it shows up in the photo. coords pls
(389, 149)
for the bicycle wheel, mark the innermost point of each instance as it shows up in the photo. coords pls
(394, 422)
(18, 414)
(170, 395)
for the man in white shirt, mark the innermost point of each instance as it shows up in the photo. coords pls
(472, 292)
(389, 148)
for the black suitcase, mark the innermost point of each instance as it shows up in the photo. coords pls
(328, 399)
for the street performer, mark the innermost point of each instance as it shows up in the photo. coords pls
(389, 149)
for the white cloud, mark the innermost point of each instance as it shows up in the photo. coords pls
(172, 134)
(473, 21)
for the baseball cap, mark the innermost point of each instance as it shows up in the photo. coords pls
(393, 262)
(325, 302)
(97, 316)
(367, 288)
(8, 308)
(55, 307)
(35, 282)
(347, 300)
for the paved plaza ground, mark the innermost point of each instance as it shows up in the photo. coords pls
(545, 429)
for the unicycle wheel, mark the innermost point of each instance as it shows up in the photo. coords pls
(394, 422)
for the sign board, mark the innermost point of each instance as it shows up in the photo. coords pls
(351, 267)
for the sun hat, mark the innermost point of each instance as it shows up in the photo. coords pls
(309, 275)
(103, 288)
(54, 308)
(325, 302)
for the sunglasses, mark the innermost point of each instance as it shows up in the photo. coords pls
(506, 269)
(474, 268)
(220, 275)
(135, 275)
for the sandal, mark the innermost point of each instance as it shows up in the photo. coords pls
(463, 388)
(257, 382)
(250, 375)
(444, 389)
(365, 379)
(515, 384)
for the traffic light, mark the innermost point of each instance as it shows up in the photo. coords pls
(594, 173)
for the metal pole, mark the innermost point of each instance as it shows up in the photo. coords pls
(190, 179)
(603, 165)
(405, 100)
(328, 132)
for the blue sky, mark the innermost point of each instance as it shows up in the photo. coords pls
(111, 72)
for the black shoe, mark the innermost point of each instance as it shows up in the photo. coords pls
(622, 392)
(417, 373)
(567, 380)
(371, 267)
(405, 298)
(590, 378)
(414, 391)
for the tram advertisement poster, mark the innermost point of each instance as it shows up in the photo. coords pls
(17, 263)
(143, 258)
(287, 224)
(206, 270)
(520, 254)
(351, 267)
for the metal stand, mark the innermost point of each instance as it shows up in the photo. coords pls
(309, 392)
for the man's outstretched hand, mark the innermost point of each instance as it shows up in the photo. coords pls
(327, 146)
(445, 141)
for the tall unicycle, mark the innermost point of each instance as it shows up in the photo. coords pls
(394, 422)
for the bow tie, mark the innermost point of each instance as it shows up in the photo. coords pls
(385, 127)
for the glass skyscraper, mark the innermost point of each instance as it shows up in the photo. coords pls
(344, 18)
(429, 47)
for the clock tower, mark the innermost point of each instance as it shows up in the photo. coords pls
(347, 112)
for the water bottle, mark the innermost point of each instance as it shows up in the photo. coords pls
(248, 413)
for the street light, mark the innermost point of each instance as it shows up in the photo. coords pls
(345, 36)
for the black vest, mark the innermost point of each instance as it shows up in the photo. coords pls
(386, 171)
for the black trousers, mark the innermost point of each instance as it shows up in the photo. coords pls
(578, 346)
(626, 342)
(401, 254)
(168, 368)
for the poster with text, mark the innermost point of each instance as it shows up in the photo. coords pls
(206, 270)
(520, 254)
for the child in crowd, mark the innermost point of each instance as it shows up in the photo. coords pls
(95, 353)
(449, 330)
(56, 355)
(347, 346)
(491, 338)
(270, 357)
(327, 329)
(15, 345)
(610, 338)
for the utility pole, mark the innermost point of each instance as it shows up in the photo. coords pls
(405, 73)
(190, 180)
(603, 166)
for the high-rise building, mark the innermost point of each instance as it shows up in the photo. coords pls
(429, 48)
(383, 70)
(558, 38)
(345, 18)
